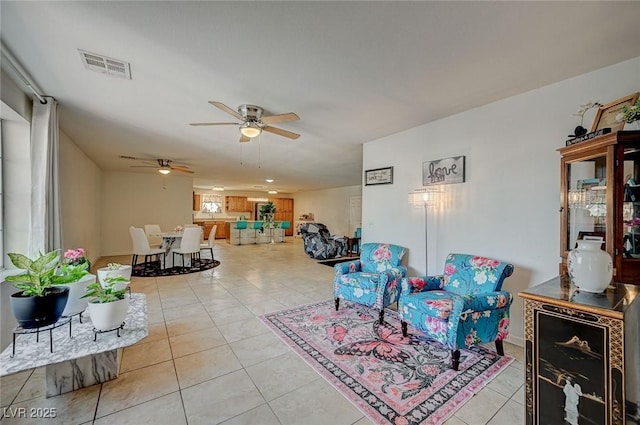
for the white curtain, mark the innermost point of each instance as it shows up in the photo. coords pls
(46, 223)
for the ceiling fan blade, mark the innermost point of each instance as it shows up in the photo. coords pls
(196, 124)
(281, 132)
(143, 166)
(180, 167)
(273, 119)
(228, 110)
(181, 170)
(244, 138)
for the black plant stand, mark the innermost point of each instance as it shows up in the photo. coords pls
(117, 329)
(19, 330)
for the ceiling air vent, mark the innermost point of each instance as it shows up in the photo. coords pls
(105, 65)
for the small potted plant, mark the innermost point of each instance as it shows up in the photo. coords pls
(38, 303)
(107, 305)
(115, 270)
(73, 273)
(631, 116)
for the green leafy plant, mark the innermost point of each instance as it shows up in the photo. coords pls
(630, 114)
(40, 273)
(267, 212)
(68, 273)
(98, 294)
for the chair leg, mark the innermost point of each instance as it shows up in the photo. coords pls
(499, 348)
(382, 316)
(337, 301)
(455, 359)
(404, 328)
(134, 260)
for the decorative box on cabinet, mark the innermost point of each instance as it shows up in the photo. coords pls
(583, 344)
(600, 197)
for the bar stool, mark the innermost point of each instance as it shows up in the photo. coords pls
(240, 226)
(257, 225)
(285, 225)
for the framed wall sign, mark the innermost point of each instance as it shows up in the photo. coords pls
(378, 176)
(443, 171)
(606, 115)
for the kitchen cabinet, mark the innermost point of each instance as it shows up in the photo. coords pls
(582, 347)
(197, 202)
(237, 204)
(600, 197)
(284, 212)
(208, 224)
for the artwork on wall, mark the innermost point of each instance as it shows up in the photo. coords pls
(378, 176)
(443, 171)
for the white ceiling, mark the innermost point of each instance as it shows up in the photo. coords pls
(353, 72)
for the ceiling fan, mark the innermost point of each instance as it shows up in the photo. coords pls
(253, 123)
(164, 166)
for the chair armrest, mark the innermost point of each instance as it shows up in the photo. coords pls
(347, 267)
(487, 301)
(412, 285)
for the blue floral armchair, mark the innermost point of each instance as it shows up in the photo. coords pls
(372, 280)
(461, 308)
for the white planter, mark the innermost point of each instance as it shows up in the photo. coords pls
(590, 268)
(76, 304)
(107, 316)
(632, 125)
(124, 271)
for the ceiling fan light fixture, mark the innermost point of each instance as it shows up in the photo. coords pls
(250, 129)
(164, 170)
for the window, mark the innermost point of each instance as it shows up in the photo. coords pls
(212, 203)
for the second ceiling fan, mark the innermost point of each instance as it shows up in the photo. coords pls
(253, 123)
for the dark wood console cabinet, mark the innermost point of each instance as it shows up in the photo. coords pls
(578, 340)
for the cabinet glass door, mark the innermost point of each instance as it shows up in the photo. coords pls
(631, 203)
(586, 200)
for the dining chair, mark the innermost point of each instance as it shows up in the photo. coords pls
(153, 232)
(211, 241)
(141, 247)
(190, 245)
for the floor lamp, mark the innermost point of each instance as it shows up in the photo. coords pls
(427, 197)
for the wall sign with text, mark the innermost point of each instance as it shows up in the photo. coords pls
(443, 171)
(378, 176)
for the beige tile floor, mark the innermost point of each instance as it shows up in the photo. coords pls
(208, 359)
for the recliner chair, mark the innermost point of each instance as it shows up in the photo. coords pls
(319, 244)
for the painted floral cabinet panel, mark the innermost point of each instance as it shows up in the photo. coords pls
(582, 354)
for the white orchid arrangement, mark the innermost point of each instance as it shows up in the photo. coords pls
(584, 108)
(629, 114)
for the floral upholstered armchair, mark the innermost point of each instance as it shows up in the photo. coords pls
(461, 308)
(372, 280)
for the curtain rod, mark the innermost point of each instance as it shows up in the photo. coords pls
(22, 73)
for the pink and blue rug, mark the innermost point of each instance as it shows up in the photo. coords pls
(390, 378)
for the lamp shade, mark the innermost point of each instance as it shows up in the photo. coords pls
(429, 196)
(250, 129)
(164, 170)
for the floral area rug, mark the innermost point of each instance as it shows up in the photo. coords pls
(390, 378)
(154, 268)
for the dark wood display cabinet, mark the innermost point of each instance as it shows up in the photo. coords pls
(582, 354)
(600, 198)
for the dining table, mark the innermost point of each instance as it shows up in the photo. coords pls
(170, 240)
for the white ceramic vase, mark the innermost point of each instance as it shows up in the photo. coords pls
(76, 304)
(108, 316)
(632, 125)
(590, 268)
(124, 271)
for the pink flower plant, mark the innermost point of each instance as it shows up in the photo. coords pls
(75, 257)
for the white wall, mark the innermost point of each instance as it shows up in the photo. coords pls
(132, 199)
(80, 183)
(508, 208)
(330, 207)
